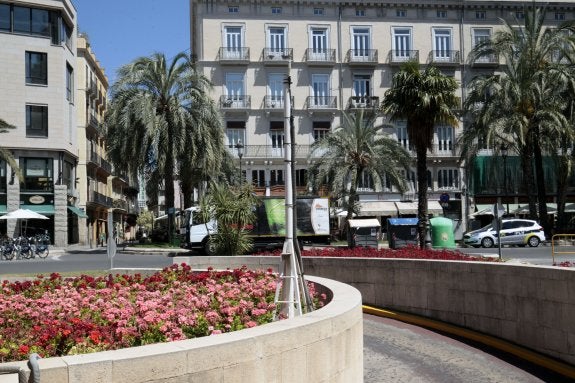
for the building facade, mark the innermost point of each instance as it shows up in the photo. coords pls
(37, 75)
(102, 191)
(342, 56)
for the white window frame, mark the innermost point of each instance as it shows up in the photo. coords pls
(445, 136)
(400, 13)
(400, 53)
(237, 95)
(321, 55)
(320, 99)
(361, 53)
(442, 51)
(448, 179)
(236, 53)
(270, 43)
(233, 135)
(274, 90)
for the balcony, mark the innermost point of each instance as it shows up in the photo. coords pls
(100, 199)
(363, 102)
(275, 103)
(277, 56)
(91, 88)
(320, 57)
(447, 149)
(106, 166)
(321, 104)
(120, 204)
(234, 55)
(362, 57)
(489, 61)
(267, 152)
(235, 102)
(445, 57)
(398, 56)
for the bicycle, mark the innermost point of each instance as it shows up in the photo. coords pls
(8, 249)
(40, 245)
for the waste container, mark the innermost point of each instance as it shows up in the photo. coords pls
(402, 232)
(365, 232)
(442, 233)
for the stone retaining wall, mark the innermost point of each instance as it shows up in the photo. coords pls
(323, 346)
(533, 306)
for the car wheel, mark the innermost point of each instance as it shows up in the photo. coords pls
(487, 242)
(209, 247)
(533, 241)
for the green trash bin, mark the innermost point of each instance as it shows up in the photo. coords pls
(442, 233)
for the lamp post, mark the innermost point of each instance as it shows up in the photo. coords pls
(240, 148)
(504, 155)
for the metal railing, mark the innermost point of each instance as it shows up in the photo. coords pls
(363, 56)
(321, 102)
(359, 102)
(399, 56)
(238, 101)
(277, 55)
(234, 54)
(562, 244)
(444, 57)
(326, 56)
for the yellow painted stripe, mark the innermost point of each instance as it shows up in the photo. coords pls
(521, 352)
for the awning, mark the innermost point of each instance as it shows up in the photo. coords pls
(368, 222)
(42, 209)
(434, 207)
(551, 209)
(406, 207)
(79, 212)
(3, 209)
(377, 208)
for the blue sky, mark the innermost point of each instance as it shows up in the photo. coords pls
(122, 30)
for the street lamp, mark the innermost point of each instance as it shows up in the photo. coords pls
(240, 148)
(504, 155)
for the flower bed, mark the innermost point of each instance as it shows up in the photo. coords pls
(58, 316)
(407, 252)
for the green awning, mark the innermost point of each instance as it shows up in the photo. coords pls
(42, 209)
(79, 212)
(3, 209)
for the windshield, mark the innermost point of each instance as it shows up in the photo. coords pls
(485, 228)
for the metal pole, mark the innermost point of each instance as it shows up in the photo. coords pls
(505, 184)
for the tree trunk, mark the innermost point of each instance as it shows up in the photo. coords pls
(540, 179)
(169, 179)
(422, 194)
(563, 165)
(529, 181)
(350, 204)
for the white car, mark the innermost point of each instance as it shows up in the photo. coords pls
(519, 232)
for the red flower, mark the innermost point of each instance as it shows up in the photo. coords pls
(24, 350)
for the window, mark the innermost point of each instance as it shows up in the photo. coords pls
(559, 16)
(233, 9)
(319, 45)
(67, 176)
(402, 137)
(277, 138)
(4, 17)
(365, 181)
(480, 15)
(320, 130)
(444, 138)
(301, 177)
(442, 44)
(441, 14)
(32, 21)
(401, 44)
(361, 90)
(519, 15)
(448, 179)
(275, 96)
(276, 10)
(235, 132)
(259, 178)
(233, 40)
(69, 83)
(360, 43)
(277, 40)
(38, 174)
(401, 13)
(481, 35)
(360, 12)
(235, 95)
(318, 11)
(36, 68)
(66, 35)
(320, 90)
(36, 121)
(276, 177)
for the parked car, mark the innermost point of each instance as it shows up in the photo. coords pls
(518, 232)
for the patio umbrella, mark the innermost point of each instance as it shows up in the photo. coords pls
(24, 214)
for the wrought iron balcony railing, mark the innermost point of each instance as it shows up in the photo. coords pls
(320, 56)
(321, 102)
(399, 56)
(237, 101)
(362, 56)
(445, 57)
(236, 55)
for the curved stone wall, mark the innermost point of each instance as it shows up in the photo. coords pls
(533, 306)
(323, 346)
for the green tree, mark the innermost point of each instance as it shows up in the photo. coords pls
(522, 106)
(6, 155)
(145, 220)
(233, 209)
(423, 98)
(355, 149)
(161, 121)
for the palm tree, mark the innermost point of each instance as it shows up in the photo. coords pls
(355, 149)
(6, 155)
(161, 121)
(525, 103)
(423, 99)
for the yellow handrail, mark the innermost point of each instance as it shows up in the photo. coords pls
(558, 236)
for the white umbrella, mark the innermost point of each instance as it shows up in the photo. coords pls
(23, 214)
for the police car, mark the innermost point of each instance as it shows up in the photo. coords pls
(519, 232)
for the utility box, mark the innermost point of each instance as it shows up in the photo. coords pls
(365, 232)
(402, 232)
(442, 233)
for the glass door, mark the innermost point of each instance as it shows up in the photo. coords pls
(318, 51)
(277, 140)
(361, 87)
(275, 90)
(320, 90)
(442, 44)
(276, 41)
(360, 49)
(233, 49)
(401, 44)
(235, 90)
